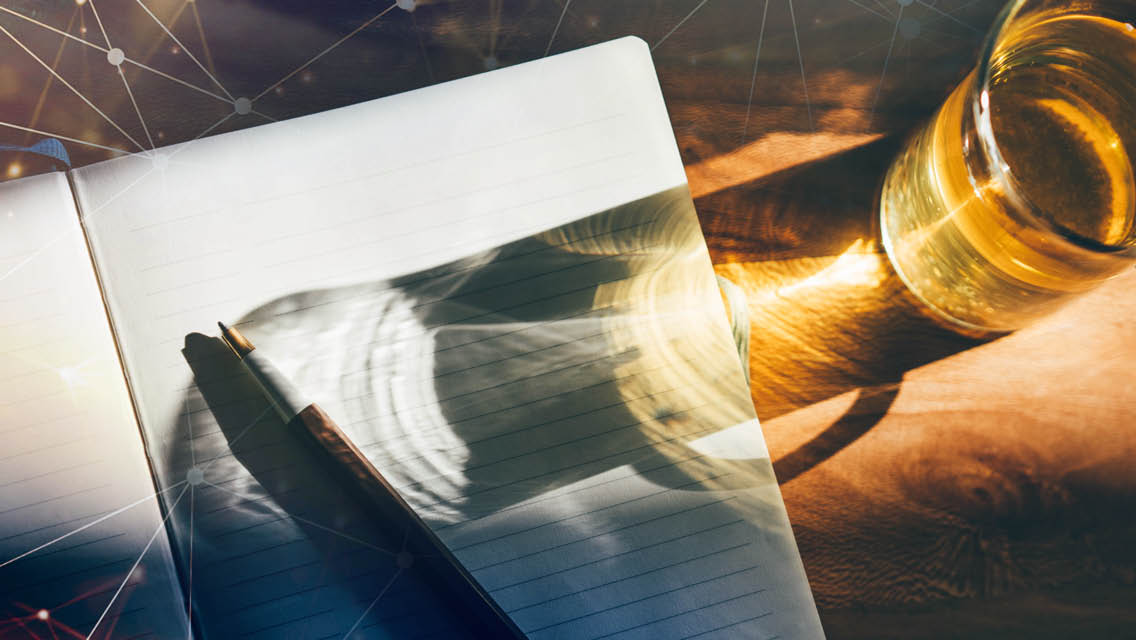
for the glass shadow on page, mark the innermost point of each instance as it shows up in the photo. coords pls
(594, 351)
(492, 379)
(829, 315)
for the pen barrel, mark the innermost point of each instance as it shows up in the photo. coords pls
(430, 555)
(285, 398)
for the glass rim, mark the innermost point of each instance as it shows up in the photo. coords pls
(999, 169)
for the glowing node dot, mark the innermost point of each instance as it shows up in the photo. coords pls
(243, 106)
(278, 91)
(404, 560)
(406, 5)
(195, 476)
(80, 2)
(115, 56)
(43, 614)
(15, 170)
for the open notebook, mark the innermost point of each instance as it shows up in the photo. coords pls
(497, 287)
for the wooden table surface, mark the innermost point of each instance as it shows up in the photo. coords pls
(939, 486)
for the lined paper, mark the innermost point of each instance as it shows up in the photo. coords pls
(77, 504)
(498, 288)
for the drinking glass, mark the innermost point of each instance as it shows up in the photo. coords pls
(1019, 193)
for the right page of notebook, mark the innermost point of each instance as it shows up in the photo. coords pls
(498, 288)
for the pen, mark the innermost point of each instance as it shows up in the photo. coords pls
(425, 551)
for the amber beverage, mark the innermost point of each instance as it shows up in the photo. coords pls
(1020, 193)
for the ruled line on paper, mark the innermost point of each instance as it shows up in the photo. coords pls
(731, 625)
(555, 495)
(72, 467)
(640, 574)
(625, 527)
(416, 165)
(265, 242)
(371, 263)
(576, 515)
(683, 587)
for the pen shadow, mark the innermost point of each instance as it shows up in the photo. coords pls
(828, 313)
(264, 484)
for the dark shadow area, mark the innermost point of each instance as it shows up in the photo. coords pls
(342, 563)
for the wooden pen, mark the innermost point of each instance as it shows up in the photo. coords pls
(424, 550)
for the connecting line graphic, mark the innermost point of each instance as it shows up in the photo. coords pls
(189, 590)
(801, 62)
(116, 58)
(161, 527)
(557, 29)
(324, 52)
(753, 80)
(883, 74)
(201, 35)
(42, 99)
(383, 592)
(105, 50)
(947, 16)
(63, 137)
(871, 10)
(192, 511)
(680, 23)
(201, 135)
(73, 89)
(91, 524)
(317, 525)
(186, 50)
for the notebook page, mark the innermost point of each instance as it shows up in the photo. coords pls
(470, 279)
(82, 545)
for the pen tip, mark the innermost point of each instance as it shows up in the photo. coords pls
(237, 342)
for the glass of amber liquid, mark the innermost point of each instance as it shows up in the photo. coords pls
(1019, 194)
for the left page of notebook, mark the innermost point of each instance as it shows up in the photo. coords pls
(83, 545)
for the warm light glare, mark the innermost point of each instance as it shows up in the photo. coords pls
(15, 170)
(856, 266)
